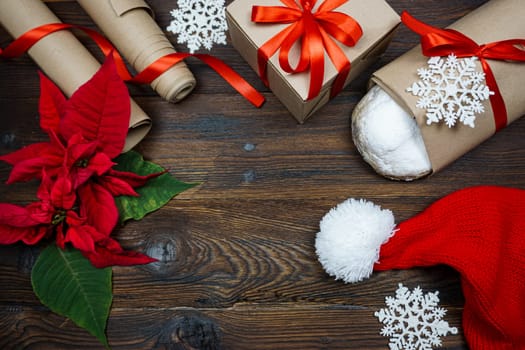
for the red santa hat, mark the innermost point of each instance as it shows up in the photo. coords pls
(479, 231)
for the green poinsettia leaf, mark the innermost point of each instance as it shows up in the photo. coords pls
(67, 283)
(153, 195)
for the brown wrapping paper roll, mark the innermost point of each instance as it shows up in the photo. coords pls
(62, 57)
(130, 27)
(495, 21)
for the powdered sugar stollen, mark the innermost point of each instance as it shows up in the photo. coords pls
(388, 138)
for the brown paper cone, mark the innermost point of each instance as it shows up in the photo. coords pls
(129, 26)
(62, 57)
(495, 21)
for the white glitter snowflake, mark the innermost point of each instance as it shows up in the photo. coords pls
(199, 23)
(451, 89)
(413, 321)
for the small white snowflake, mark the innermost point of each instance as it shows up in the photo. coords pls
(413, 321)
(199, 23)
(451, 90)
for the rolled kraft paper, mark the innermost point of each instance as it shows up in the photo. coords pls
(62, 57)
(494, 21)
(129, 26)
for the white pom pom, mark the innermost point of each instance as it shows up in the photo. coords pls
(350, 237)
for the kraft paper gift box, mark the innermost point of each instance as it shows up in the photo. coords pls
(494, 22)
(376, 18)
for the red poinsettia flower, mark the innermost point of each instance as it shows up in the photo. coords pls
(56, 213)
(77, 193)
(85, 132)
(32, 223)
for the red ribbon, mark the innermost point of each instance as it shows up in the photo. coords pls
(315, 31)
(442, 42)
(150, 73)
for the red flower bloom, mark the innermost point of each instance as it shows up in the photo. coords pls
(85, 132)
(78, 183)
(32, 223)
(56, 213)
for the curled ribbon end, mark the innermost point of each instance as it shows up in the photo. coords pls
(258, 101)
(254, 13)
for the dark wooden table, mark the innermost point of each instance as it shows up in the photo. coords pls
(238, 268)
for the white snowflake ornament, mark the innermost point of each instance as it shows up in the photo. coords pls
(199, 23)
(451, 90)
(413, 320)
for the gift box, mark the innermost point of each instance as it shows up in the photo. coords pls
(494, 34)
(377, 22)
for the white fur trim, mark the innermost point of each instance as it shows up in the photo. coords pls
(350, 237)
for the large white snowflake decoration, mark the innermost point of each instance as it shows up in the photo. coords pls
(199, 23)
(413, 321)
(451, 90)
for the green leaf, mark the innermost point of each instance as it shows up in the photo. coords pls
(67, 283)
(155, 194)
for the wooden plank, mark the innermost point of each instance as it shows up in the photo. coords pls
(245, 326)
(236, 154)
(201, 266)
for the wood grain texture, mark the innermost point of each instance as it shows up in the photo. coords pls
(237, 267)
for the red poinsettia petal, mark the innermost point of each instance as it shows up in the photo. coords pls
(133, 179)
(60, 238)
(28, 235)
(80, 237)
(35, 235)
(84, 161)
(80, 176)
(78, 148)
(31, 151)
(62, 193)
(100, 163)
(37, 157)
(27, 170)
(116, 186)
(42, 212)
(98, 206)
(51, 104)
(103, 257)
(16, 216)
(56, 142)
(44, 190)
(100, 110)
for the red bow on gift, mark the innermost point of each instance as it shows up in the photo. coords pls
(442, 42)
(315, 29)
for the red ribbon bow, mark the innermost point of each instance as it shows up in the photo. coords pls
(315, 30)
(150, 73)
(442, 42)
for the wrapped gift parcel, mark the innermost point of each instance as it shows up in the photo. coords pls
(447, 95)
(306, 55)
